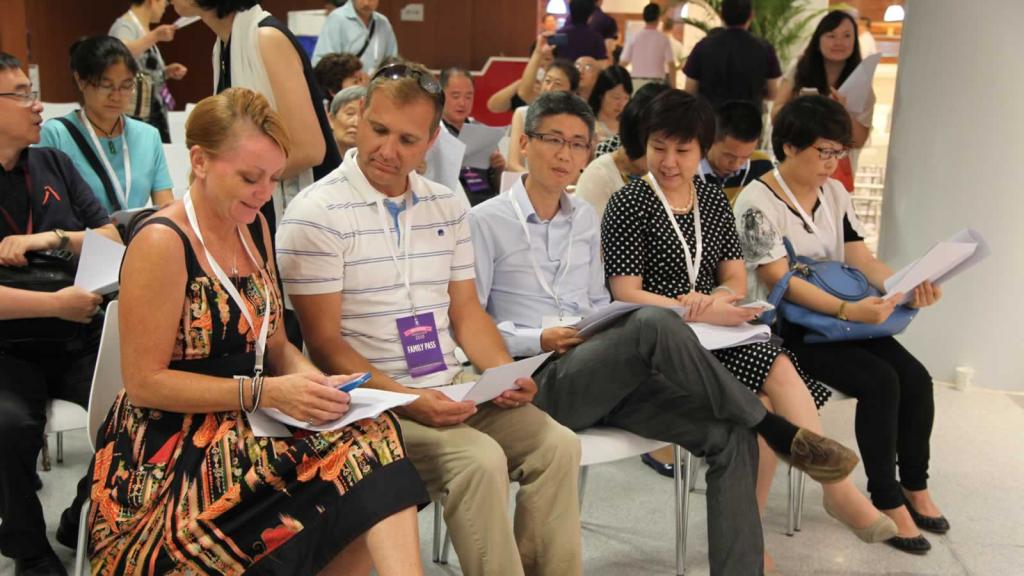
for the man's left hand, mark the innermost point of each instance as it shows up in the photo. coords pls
(516, 398)
(14, 248)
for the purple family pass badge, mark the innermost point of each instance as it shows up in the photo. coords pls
(421, 345)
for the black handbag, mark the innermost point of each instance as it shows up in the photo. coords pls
(48, 271)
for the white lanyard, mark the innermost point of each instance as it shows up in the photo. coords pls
(225, 282)
(808, 221)
(118, 190)
(406, 243)
(692, 265)
(553, 292)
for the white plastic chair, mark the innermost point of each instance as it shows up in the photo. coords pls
(58, 109)
(61, 416)
(599, 445)
(795, 508)
(106, 384)
(178, 164)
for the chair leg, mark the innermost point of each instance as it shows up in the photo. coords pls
(692, 471)
(801, 482)
(81, 547)
(582, 485)
(791, 507)
(682, 501)
(46, 453)
(60, 447)
(438, 524)
(446, 547)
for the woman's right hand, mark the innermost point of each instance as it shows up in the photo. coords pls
(164, 32)
(76, 305)
(310, 397)
(872, 310)
(722, 313)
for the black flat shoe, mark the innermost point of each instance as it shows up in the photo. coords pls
(666, 470)
(915, 545)
(46, 564)
(933, 524)
(67, 529)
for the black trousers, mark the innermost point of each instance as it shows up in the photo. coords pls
(895, 408)
(31, 374)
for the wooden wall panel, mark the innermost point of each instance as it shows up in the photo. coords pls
(454, 32)
(13, 38)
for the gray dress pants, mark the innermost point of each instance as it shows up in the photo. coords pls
(648, 374)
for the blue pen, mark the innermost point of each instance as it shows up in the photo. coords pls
(355, 382)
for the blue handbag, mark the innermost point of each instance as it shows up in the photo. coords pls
(843, 282)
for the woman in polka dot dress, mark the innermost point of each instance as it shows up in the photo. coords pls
(697, 262)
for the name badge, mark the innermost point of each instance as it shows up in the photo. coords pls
(555, 321)
(421, 345)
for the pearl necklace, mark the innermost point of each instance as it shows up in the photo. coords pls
(689, 205)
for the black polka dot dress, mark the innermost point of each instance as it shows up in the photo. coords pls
(638, 240)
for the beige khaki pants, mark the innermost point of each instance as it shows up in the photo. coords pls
(469, 467)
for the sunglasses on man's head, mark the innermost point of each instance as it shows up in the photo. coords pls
(426, 80)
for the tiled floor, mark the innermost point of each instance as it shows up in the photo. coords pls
(977, 472)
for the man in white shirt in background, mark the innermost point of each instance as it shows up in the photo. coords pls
(378, 263)
(649, 52)
(357, 28)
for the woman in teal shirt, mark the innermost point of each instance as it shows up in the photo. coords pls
(129, 152)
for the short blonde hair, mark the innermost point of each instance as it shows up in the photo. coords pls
(211, 124)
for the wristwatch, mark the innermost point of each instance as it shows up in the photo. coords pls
(841, 313)
(62, 236)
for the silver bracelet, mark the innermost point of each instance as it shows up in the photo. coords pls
(241, 391)
(723, 287)
(257, 391)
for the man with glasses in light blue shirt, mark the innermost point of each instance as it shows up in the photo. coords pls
(358, 28)
(539, 270)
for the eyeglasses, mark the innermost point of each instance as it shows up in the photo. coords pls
(555, 143)
(24, 99)
(426, 81)
(830, 153)
(108, 89)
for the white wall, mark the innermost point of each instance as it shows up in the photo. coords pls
(956, 159)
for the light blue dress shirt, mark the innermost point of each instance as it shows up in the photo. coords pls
(149, 166)
(505, 279)
(344, 31)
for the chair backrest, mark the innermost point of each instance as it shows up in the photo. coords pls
(178, 164)
(106, 380)
(58, 109)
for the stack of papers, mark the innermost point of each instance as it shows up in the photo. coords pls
(940, 263)
(857, 87)
(444, 159)
(494, 381)
(481, 141)
(99, 266)
(364, 403)
(606, 316)
(715, 337)
(185, 21)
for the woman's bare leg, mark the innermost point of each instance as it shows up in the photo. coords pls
(392, 546)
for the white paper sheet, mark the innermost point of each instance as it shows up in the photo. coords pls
(715, 337)
(940, 263)
(604, 317)
(99, 265)
(481, 141)
(185, 21)
(364, 403)
(494, 381)
(857, 87)
(508, 180)
(444, 159)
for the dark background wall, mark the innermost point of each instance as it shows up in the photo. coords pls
(454, 32)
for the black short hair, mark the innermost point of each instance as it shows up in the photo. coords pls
(90, 57)
(570, 71)
(608, 79)
(804, 120)
(9, 62)
(450, 72)
(333, 69)
(682, 116)
(740, 119)
(632, 120)
(225, 7)
(580, 11)
(652, 12)
(736, 12)
(554, 104)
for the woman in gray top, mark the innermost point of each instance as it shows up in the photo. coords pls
(133, 28)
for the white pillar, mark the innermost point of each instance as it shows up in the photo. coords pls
(956, 160)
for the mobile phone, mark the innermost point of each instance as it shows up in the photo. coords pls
(559, 39)
(356, 382)
(758, 304)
